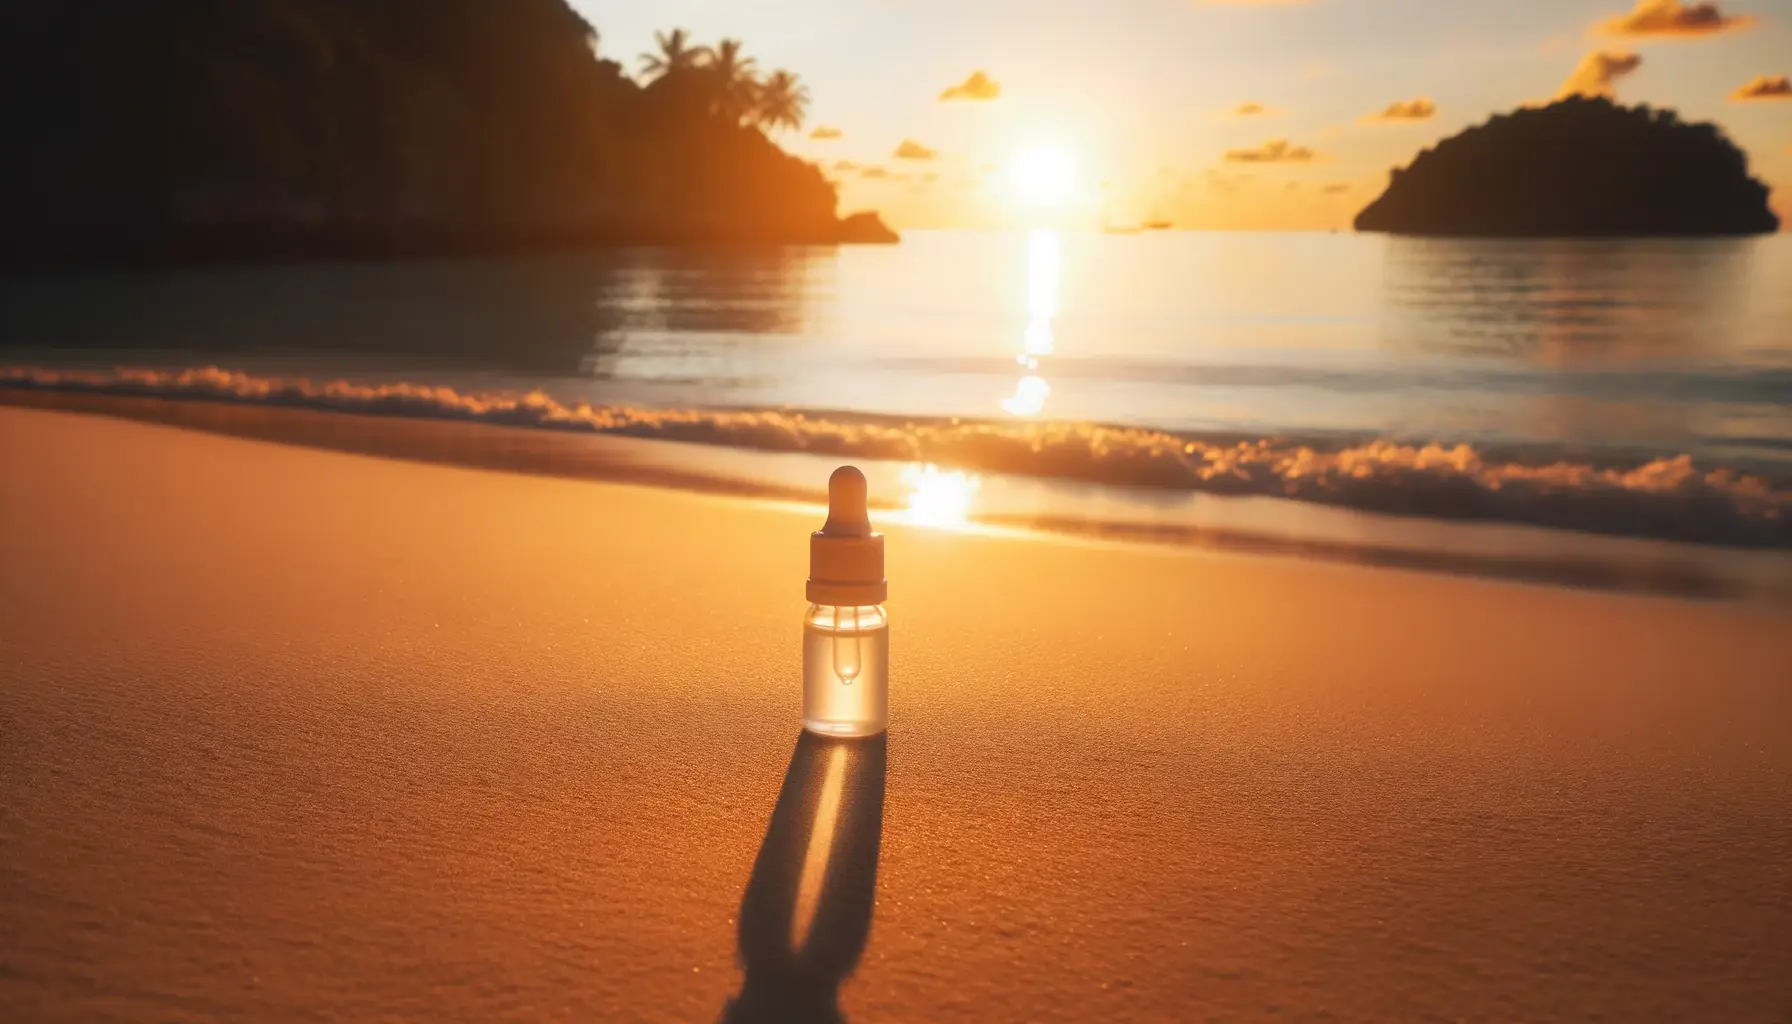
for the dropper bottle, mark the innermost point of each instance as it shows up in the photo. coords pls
(846, 635)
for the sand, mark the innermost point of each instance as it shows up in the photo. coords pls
(288, 734)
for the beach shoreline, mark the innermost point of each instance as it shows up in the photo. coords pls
(293, 732)
(1515, 552)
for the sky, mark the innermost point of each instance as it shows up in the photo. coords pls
(1241, 114)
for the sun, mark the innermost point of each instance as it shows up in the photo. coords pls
(1043, 174)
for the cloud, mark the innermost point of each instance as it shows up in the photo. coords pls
(1275, 151)
(874, 172)
(979, 87)
(1598, 72)
(930, 177)
(1336, 187)
(1223, 183)
(845, 165)
(823, 131)
(1671, 19)
(1765, 87)
(1251, 109)
(1406, 110)
(912, 150)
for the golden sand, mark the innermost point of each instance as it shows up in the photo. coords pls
(291, 734)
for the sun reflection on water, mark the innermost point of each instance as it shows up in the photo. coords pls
(1028, 398)
(1044, 277)
(939, 497)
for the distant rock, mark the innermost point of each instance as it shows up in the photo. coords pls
(1577, 167)
(866, 227)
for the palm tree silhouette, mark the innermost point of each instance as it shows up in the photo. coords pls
(733, 78)
(675, 54)
(783, 101)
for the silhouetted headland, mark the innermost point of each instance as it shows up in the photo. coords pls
(245, 129)
(1577, 167)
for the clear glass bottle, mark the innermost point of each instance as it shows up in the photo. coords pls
(846, 635)
(846, 670)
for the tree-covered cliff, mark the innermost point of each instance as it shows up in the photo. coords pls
(213, 128)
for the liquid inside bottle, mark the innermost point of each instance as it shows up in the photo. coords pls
(846, 670)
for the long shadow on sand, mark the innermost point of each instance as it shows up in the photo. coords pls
(807, 909)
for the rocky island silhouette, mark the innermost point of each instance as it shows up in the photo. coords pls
(1577, 167)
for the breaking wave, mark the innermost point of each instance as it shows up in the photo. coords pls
(1665, 498)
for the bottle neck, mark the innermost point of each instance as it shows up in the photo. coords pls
(847, 618)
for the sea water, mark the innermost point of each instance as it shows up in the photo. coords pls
(1620, 386)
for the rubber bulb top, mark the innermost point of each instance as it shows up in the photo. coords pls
(847, 514)
(846, 559)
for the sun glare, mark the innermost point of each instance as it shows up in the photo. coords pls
(1044, 174)
(939, 498)
(1030, 393)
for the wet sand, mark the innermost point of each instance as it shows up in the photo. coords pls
(288, 734)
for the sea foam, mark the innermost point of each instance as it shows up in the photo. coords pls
(1669, 498)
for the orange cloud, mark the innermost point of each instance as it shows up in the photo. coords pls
(1249, 109)
(823, 131)
(1765, 87)
(977, 87)
(1598, 72)
(912, 150)
(1672, 19)
(1406, 110)
(874, 172)
(1224, 184)
(1335, 187)
(1275, 151)
(845, 165)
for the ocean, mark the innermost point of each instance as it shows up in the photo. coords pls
(1322, 387)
